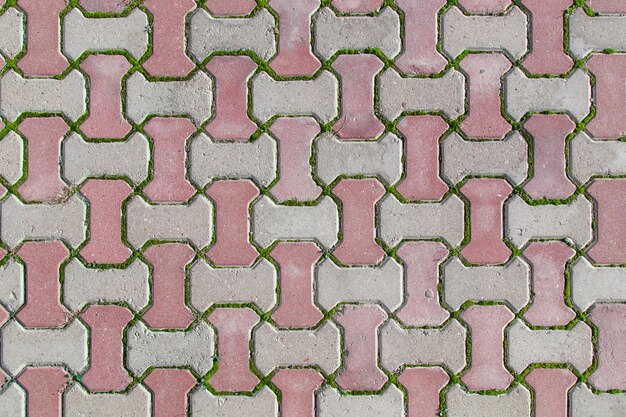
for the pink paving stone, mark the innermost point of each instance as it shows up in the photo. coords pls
(169, 136)
(232, 199)
(358, 200)
(43, 55)
(357, 6)
(548, 260)
(230, 7)
(357, 73)
(423, 386)
(607, 6)
(610, 96)
(44, 389)
(107, 6)
(547, 55)
(168, 38)
(487, 369)
(295, 140)
(549, 132)
(421, 265)
(422, 181)
(170, 388)
(297, 388)
(43, 308)
(551, 387)
(295, 56)
(105, 118)
(105, 221)
(43, 136)
(610, 197)
(611, 348)
(168, 309)
(420, 54)
(106, 354)
(360, 335)
(485, 118)
(296, 261)
(486, 196)
(234, 328)
(484, 6)
(231, 121)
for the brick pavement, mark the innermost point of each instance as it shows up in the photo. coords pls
(372, 208)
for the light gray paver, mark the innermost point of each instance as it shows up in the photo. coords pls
(11, 32)
(591, 284)
(330, 403)
(77, 402)
(12, 285)
(13, 401)
(584, 403)
(515, 403)
(262, 404)
(597, 33)
(334, 33)
(590, 157)
(11, 156)
(398, 94)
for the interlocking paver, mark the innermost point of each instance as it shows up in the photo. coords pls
(321, 207)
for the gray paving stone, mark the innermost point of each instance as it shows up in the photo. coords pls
(274, 348)
(510, 283)
(210, 159)
(12, 285)
(11, 32)
(335, 157)
(515, 403)
(590, 157)
(330, 403)
(591, 284)
(484, 33)
(528, 346)
(64, 221)
(571, 95)
(210, 285)
(399, 221)
(82, 159)
(318, 97)
(82, 34)
(584, 403)
(208, 34)
(83, 285)
(271, 222)
(399, 94)
(262, 404)
(25, 347)
(11, 157)
(334, 33)
(588, 34)
(445, 346)
(66, 96)
(383, 284)
(463, 158)
(13, 401)
(193, 348)
(77, 402)
(192, 98)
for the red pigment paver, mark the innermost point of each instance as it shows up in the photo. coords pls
(548, 260)
(485, 119)
(607, 6)
(420, 54)
(486, 198)
(295, 140)
(484, 6)
(487, 370)
(610, 197)
(547, 55)
(295, 55)
(358, 200)
(232, 222)
(610, 98)
(105, 74)
(44, 388)
(170, 388)
(234, 325)
(169, 139)
(106, 371)
(549, 132)
(423, 386)
(611, 351)
(422, 181)
(298, 387)
(231, 7)
(43, 55)
(358, 120)
(43, 308)
(421, 261)
(168, 309)
(360, 325)
(551, 387)
(168, 57)
(296, 261)
(105, 244)
(43, 136)
(231, 121)
(357, 6)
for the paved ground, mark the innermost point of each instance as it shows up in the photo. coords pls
(370, 208)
